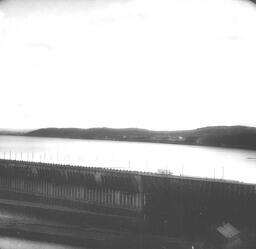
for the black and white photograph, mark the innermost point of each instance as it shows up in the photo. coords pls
(127, 124)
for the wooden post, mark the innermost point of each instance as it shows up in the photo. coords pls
(141, 196)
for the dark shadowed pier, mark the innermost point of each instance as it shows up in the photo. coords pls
(124, 201)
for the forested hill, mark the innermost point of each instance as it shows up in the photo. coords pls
(221, 136)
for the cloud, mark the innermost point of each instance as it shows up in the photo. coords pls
(165, 65)
(41, 45)
(2, 18)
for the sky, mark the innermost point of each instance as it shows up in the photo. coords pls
(162, 65)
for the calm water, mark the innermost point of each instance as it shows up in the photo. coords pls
(13, 243)
(234, 164)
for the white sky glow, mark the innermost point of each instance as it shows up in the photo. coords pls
(161, 65)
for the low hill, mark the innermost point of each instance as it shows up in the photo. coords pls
(221, 136)
(13, 132)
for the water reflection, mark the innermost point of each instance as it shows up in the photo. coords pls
(234, 164)
(15, 243)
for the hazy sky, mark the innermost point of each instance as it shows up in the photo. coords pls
(165, 64)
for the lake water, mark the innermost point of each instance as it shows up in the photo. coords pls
(210, 162)
(15, 243)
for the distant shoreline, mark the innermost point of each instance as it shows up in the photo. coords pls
(233, 137)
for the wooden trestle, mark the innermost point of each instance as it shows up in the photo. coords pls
(165, 203)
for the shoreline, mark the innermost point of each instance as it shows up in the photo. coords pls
(138, 141)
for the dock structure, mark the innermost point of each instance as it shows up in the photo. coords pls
(158, 202)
